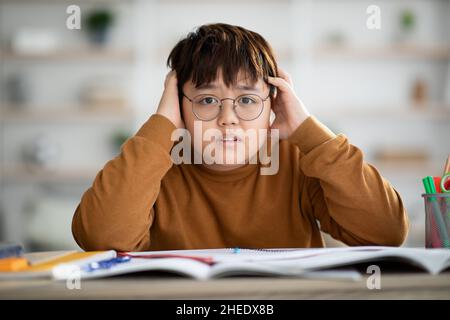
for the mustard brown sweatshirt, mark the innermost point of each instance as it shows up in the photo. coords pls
(141, 201)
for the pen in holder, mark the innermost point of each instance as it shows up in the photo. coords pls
(437, 220)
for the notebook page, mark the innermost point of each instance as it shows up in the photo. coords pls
(245, 254)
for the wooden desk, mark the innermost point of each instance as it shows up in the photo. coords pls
(393, 286)
(152, 286)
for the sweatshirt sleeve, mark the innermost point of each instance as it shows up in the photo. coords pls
(349, 198)
(116, 212)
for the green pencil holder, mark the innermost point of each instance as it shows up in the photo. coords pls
(437, 220)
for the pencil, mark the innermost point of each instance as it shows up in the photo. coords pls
(447, 166)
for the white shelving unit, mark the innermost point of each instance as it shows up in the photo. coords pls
(418, 52)
(82, 132)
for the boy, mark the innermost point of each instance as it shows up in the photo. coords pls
(222, 80)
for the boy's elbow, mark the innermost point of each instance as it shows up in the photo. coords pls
(395, 231)
(396, 238)
(390, 229)
(102, 238)
(393, 225)
(86, 238)
(89, 242)
(400, 223)
(399, 236)
(80, 235)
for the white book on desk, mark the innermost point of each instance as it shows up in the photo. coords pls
(315, 263)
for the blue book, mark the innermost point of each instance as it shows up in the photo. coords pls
(9, 249)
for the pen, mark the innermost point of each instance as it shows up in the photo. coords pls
(105, 264)
(428, 183)
(447, 166)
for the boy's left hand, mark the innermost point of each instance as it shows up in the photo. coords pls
(289, 110)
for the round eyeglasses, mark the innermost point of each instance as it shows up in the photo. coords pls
(207, 107)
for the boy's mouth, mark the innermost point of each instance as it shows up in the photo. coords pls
(230, 139)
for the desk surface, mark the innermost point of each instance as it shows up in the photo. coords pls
(393, 286)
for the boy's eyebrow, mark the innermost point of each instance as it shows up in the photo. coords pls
(207, 86)
(240, 86)
(247, 87)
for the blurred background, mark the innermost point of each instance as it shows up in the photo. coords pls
(70, 97)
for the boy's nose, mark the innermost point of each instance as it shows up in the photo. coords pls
(227, 115)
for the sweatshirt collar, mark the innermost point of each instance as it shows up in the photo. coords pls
(228, 175)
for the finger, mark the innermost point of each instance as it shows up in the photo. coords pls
(171, 80)
(286, 76)
(171, 76)
(280, 83)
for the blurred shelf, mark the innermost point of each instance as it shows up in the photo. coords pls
(82, 54)
(35, 174)
(410, 169)
(432, 112)
(436, 52)
(66, 114)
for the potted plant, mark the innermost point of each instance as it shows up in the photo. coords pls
(408, 20)
(98, 24)
(407, 25)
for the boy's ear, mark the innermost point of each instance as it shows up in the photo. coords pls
(273, 91)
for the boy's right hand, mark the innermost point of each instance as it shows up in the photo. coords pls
(169, 105)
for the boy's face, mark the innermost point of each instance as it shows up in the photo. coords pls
(227, 122)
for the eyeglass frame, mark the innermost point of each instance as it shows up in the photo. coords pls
(271, 90)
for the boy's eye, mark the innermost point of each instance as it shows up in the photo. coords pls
(246, 100)
(208, 100)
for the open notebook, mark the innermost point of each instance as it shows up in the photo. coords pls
(215, 263)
